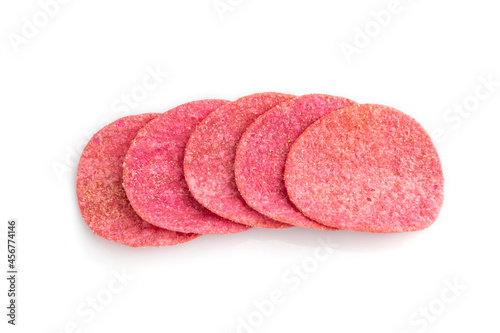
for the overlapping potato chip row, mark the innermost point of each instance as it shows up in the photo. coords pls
(266, 160)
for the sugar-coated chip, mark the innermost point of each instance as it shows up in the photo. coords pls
(262, 151)
(153, 174)
(366, 168)
(101, 196)
(210, 153)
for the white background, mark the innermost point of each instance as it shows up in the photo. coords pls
(64, 81)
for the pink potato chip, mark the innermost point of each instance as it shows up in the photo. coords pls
(101, 196)
(261, 155)
(366, 168)
(153, 174)
(210, 153)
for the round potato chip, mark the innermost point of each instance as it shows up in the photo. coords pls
(366, 168)
(101, 196)
(210, 153)
(153, 174)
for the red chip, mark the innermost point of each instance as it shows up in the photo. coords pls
(210, 153)
(366, 168)
(262, 151)
(153, 174)
(101, 196)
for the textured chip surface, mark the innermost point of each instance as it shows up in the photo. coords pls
(261, 156)
(153, 174)
(366, 168)
(210, 153)
(101, 196)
